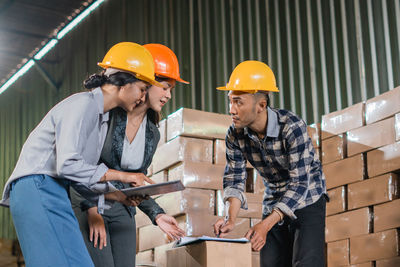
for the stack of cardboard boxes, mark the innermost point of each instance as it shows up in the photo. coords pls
(191, 149)
(360, 157)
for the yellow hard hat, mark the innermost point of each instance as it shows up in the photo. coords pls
(131, 57)
(251, 76)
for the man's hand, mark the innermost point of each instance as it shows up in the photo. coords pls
(122, 198)
(97, 230)
(257, 236)
(222, 228)
(169, 226)
(258, 233)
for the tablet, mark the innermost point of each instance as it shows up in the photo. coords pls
(154, 189)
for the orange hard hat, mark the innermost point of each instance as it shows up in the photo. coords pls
(165, 62)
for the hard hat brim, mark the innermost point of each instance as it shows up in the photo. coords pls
(225, 88)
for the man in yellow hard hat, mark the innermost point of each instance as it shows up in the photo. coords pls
(277, 145)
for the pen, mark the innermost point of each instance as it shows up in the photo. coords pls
(226, 218)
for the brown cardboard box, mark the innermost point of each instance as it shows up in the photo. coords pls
(333, 149)
(372, 191)
(384, 159)
(314, 131)
(345, 171)
(338, 253)
(255, 259)
(382, 106)
(337, 200)
(371, 136)
(375, 246)
(254, 203)
(387, 216)
(160, 177)
(141, 219)
(188, 200)
(190, 223)
(196, 123)
(151, 236)
(392, 262)
(254, 221)
(397, 126)
(182, 149)
(219, 152)
(145, 257)
(210, 254)
(342, 121)
(163, 132)
(365, 264)
(347, 224)
(259, 187)
(160, 254)
(198, 175)
(150, 170)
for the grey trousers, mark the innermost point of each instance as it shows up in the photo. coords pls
(121, 238)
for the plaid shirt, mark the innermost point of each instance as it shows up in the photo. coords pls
(285, 158)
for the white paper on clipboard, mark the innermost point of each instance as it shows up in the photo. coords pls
(154, 189)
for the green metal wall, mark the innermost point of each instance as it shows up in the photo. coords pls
(326, 54)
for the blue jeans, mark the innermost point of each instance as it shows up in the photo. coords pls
(45, 223)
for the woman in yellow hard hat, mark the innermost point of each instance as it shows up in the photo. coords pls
(130, 145)
(63, 150)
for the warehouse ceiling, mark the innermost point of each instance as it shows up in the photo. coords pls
(26, 25)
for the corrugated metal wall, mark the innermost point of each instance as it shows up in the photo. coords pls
(326, 54)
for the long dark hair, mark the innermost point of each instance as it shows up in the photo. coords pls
(117, 79)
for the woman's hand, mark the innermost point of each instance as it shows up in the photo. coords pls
(122, 198)
(97, 229)
(169, 226)
(136, 179)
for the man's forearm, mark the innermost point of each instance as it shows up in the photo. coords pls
(234, 208)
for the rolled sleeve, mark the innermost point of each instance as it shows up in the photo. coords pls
(233, 192)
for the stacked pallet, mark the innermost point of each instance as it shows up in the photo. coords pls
(361, 159)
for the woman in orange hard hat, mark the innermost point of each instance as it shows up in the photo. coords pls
(130, 145)
(277, 144)
(63, 150)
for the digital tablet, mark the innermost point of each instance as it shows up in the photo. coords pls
(154, 189)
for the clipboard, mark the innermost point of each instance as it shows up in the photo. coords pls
(154, 189)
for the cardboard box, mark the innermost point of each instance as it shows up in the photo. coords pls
(372, 191)
(141, 219)
(210, 254)
(255, 259)
(163, 132)
(382, 106)
(375, 246)
(342, 121)
(182, 149)
(338, 253)
(151, 236)
(347, 224)
(160, 177)
(383, 160)
(388, 262)
(397, 126)
(333, 149)
(196, 123)
(188, 200)
(371, 136)
(254, 203)
(145, 257)
(160, 254)
(345, 171)
(337, 200)
(254, 221)
(387, 216)
(150, 170)
(190, 223)
(365, 264)
(198, 175)
(219, 152)
(314, 131)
